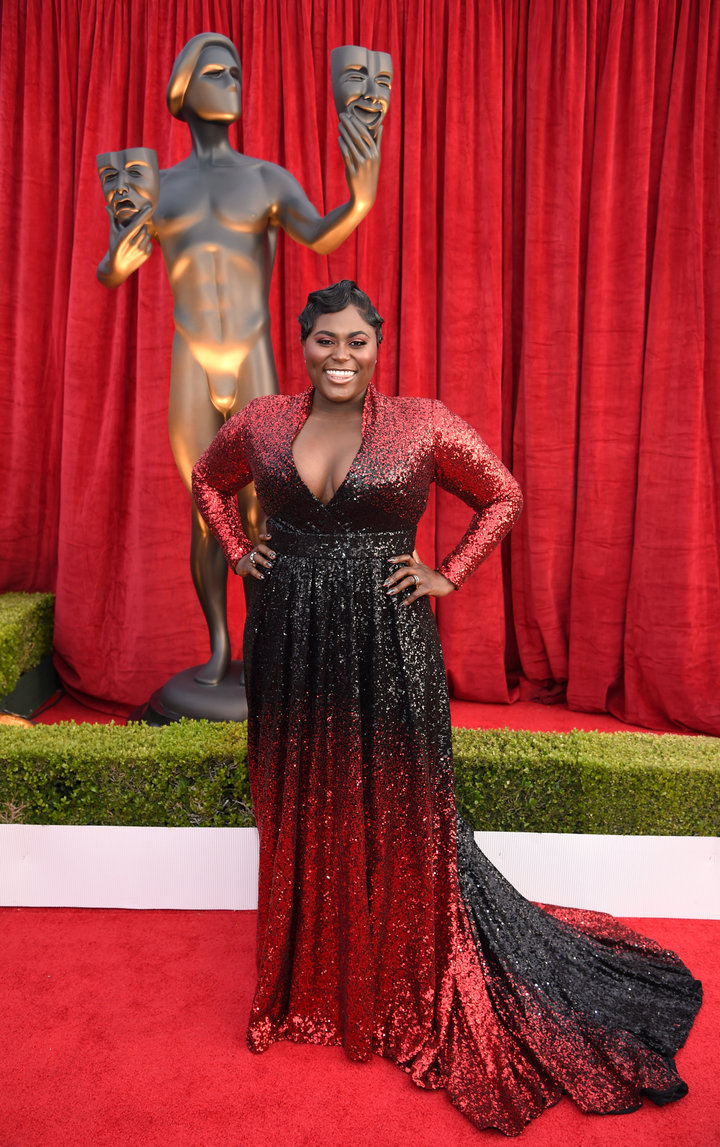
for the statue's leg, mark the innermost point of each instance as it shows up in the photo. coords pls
(258, 376)
(193, 423)
(209, 573)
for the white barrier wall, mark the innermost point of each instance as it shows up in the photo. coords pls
(216, 868)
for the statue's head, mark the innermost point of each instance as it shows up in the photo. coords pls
(361, 83)
(129, 179)
(205, 80)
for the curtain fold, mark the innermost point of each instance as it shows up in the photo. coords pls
(545, 248)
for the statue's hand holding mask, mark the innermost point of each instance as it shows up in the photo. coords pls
(361, 83)
(130, 182)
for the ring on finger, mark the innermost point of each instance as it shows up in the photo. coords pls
(415, 578)
(253, 556)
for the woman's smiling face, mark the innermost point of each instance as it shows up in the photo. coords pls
(340, 354)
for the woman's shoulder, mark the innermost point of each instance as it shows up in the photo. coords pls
(266, 406)
(275, 401)
(408, 404)
(414, 408)
(432, 417)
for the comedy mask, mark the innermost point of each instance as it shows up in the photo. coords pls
(361, 82)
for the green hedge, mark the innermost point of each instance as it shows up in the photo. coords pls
(195, 773)
(26, 633)
(189, 773)
(633, 784)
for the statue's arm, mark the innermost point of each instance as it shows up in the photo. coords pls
(128, 249)
(294, 212)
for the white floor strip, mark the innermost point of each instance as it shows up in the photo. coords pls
(216, 868)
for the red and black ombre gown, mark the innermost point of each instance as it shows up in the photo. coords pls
(381, 926)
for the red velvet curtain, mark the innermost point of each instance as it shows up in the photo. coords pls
(546, 250)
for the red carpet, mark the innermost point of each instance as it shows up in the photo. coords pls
(536, 717)
(467, 714)
(127, 1029)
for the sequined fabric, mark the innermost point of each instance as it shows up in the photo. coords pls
(407, 444)
(381, 927)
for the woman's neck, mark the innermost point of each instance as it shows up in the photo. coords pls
(326, 408)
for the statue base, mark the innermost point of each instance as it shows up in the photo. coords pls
(183, 696)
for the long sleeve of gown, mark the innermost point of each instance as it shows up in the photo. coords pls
(467, 467)
(216, 478)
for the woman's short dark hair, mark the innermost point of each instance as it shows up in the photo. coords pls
(327, 301)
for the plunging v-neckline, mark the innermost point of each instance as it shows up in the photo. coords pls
(305, 415)
(325, 505)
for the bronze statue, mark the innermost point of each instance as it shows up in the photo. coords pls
(216, 220)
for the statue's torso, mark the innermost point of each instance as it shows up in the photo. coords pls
(214, 225)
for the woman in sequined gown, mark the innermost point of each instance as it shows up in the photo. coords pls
(381, 926)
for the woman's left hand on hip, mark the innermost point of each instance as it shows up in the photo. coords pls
(413, 574)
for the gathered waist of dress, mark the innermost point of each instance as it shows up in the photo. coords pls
(346, 544)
